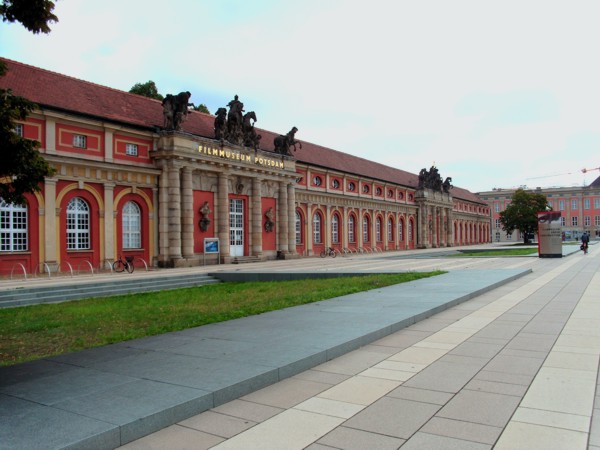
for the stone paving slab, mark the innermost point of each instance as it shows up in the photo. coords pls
(106, 397)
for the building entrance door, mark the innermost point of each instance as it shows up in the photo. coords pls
(236, 227)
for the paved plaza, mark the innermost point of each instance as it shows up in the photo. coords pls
(498, 353)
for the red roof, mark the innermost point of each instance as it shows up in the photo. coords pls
(57, 91)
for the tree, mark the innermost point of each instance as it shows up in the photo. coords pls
(35, 15)
(521, 214)
(147, 89)
(202, 108)
(22, 167)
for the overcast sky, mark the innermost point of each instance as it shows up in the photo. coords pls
(495, 94)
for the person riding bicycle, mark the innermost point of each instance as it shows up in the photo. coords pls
(585, 239)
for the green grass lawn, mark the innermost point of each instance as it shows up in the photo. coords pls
(502, 252)
(38, 331)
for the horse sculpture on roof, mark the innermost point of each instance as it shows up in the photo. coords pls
(284, 143)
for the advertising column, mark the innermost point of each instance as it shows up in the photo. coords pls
(549, 234)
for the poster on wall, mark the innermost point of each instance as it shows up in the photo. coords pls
(549, 234)
(211, 246)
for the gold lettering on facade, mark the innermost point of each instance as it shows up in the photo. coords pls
(240, 156)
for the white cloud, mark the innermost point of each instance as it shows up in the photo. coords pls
(496, 94)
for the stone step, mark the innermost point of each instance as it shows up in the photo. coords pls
(69, 291)
(245, 259)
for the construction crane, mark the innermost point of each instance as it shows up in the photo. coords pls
(589, 170)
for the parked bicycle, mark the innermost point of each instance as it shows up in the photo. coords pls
(328, 252)
(121, 264)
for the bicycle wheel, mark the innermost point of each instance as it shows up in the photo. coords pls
(118, 266)
(323, 254)
(129, 266)
(333, 254)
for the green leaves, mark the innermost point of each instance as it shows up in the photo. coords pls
(521, 214)
(22, 167)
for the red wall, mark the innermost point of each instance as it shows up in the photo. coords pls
(199, 198)
(269, 239)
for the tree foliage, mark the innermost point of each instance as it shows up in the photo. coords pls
(202, 108)
(22, 167)
(147, 89)
(35, 15)
(521, 213)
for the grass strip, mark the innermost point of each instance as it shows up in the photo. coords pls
(503, 252)
(38, 331)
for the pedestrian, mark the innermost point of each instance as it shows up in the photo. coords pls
(585, 239)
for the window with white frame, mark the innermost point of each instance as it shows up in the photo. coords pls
(317, 228)
(390, 229)
(78, 225)
(563, 221)
(497, 223)
(597, 203)
(13, 227)
(574, 204)
(132, 226)
(410, 231)
(574, 221)
(497, 207)
(351, 229)
(401, 231)
(19, 130)
(586, 203)
(79, 141)
(131, 149)
(597, 221)
(561, 205)
(335, 229)
(378, 229)
(365, 229)
(587, 221)
(298, 228)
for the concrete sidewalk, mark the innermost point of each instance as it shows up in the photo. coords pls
(107, 397)
(514, 368)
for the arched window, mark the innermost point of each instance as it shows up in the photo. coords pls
(298, 228)
(78, 225)
(390, 230)
(317, 221)
(365, 229)
(351, 229)
(335, 229)
(13, 227)
(410, 231)
(132, 226)
(378, 229)
(401, 230)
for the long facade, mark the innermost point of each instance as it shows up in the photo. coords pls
(579, 207)
(126, 186)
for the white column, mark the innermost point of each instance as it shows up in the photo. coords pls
(187, 213)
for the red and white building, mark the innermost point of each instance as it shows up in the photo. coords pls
(124, 186)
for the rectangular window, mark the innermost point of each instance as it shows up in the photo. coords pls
(597, 203)
(573, 205)
(497, 223)
(365, 230)
(597, 221)
(335, 235)
(79, 141)
(13, 227)
(587, 221)
(586, 203)
(561, 205)
(574, 221)
(131, 149)
(19, 131)
(497, 207)
(563, 221)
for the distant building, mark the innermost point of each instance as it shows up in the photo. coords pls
(580, 208)
(133, 178)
